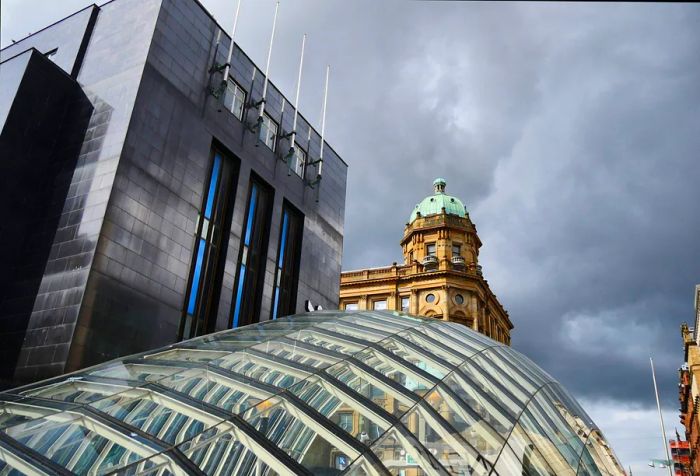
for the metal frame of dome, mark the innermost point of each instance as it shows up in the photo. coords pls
(417, 395)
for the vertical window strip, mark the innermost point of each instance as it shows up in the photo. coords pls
(194, 290)
(244, 256)
(280, 262)
(216, 169)
(202, 246)
(207, 254)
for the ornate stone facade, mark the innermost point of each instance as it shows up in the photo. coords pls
(689, 387)
(440, 276)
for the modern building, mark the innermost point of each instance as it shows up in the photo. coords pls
(689, 391)
(440, 276)
(147, 199)
(360, 393)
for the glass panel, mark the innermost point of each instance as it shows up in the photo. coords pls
(352, 417)
(442, 441)
(351, 306)
(77, 391)
(194, 290)
(298, 161)
(234, 98)
(532, 460)
(268, 131)
(288, 350)
(219, 451)
(508, 463)
(215, 389)
(465, 347)
(382, 394)
(76, 442)
(23, 410)
(379, 305)
(477, 432)
(213, 182)
(405, 375)
(330, 341)
(297, 434)
(432, 346)
(131, 373)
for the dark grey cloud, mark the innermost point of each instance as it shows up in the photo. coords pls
(571, 131)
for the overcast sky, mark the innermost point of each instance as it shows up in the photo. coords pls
(572, 133)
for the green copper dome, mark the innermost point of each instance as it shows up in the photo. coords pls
(434, 204)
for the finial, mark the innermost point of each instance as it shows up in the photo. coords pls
(439, 185)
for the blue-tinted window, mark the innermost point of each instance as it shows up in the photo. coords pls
(208, 254)
(253, 253)
(287, 268)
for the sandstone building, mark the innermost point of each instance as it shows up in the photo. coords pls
(440, 277)
(689, 390)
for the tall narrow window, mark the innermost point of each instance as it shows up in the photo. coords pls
(405, 302)
(430, 249)
(251, 259)
(234, 98)
(199, 315)
(287, 269)
(298, 161)
(268, 131)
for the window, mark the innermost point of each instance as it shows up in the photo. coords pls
(209, 254)
(405, 301)
(430, 249)
(430, 297)
(268, 131)
(288, 255)
(252, 255)
(379, 305)
(345, 421)
(456, 250)
(351, 306)
(298, 161)
(234, 98)
(459, 299)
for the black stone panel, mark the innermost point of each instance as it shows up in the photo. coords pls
(39, 146)
(111, 82)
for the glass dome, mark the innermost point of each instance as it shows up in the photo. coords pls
(358, 393)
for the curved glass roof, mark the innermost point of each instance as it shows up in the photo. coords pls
(358, 393)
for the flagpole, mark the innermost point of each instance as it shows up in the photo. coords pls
(323, 121)
(661, 419)
(267, 64)
(229, 57)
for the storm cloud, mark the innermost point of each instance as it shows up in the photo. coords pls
(572, 133)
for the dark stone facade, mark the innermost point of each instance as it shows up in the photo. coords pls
(119, 247)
